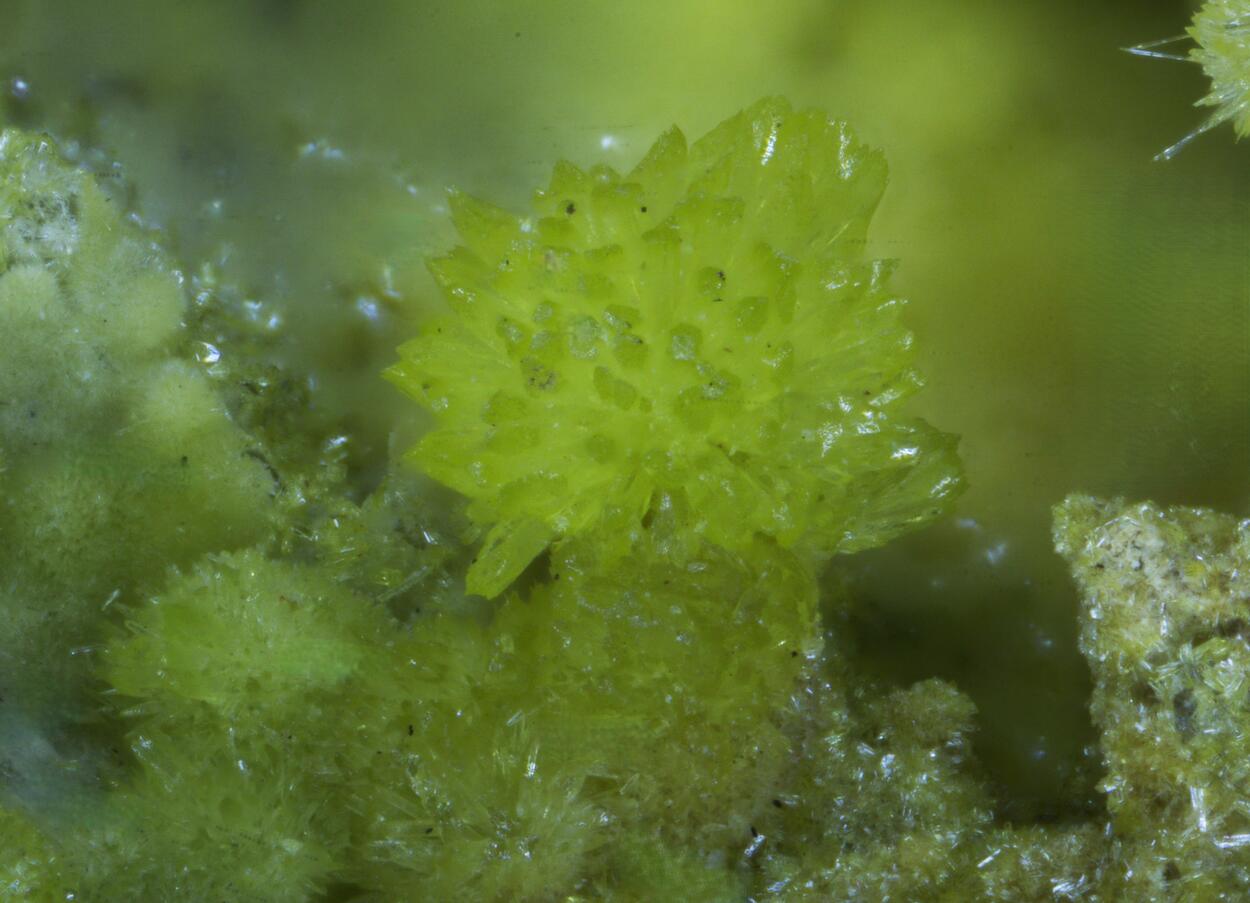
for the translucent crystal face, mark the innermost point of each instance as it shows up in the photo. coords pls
(705, 326)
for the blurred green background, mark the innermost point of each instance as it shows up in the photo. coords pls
(1082, 312)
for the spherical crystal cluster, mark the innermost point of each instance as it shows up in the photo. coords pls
(705, 328)
(1222, 30)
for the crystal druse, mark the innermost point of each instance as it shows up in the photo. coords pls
(668, 400)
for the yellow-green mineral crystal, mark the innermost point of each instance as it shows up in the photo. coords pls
(704, 326)
(687, 378)
(236, 667)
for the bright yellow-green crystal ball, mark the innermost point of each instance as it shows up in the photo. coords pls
(705, 327)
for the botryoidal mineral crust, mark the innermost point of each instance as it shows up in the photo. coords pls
(118, 458)
(1165, 627)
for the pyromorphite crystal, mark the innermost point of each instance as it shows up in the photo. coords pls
(611, 714)
(241, 633)
(615, 728)
(1165, 627)
(705, 326)
(307, 706)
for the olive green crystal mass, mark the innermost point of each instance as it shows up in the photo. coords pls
(234, 668)
(117, 452)
(1166, 595)
(285, 716)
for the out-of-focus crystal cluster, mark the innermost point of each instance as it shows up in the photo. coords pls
(1222, 31)
(116, 452)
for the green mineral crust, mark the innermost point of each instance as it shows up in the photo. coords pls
(1164, 628)
(884, 800)
(118, 458)
(237, 667)
(123, 466)
(232, 673)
